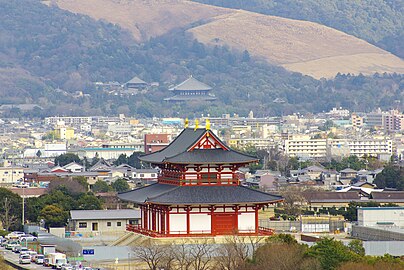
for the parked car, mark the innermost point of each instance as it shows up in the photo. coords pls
(25, 259)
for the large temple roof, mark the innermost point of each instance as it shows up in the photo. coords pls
(191, 195)
(191, 84)
(178, 151)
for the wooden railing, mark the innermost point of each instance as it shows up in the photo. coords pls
(262, 231)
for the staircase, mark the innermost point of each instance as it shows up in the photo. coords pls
(127, 239)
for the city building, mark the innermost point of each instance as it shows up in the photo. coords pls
(305, 147)
(10, 175)
(381, 216)
(155, 142)
(198, 192)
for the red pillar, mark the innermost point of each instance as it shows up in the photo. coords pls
(236, 218)
(168, 221)
(256, 208)
(188, 220)
(153, 219)
(145, 219)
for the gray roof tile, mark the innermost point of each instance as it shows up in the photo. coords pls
(170, 194)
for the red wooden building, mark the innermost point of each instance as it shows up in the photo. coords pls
(198, 191)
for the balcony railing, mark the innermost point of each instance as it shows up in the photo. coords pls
(262, 231)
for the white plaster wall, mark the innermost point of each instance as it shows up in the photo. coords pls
(246, 222)
(178, 223)
(200, 222)
(371, 217)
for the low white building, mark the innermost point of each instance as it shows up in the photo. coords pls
(102, 221)
(381, 216)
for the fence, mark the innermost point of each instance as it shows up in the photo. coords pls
(308, 226)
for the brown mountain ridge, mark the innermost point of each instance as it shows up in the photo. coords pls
(300, 46)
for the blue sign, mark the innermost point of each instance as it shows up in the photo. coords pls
(88, 251)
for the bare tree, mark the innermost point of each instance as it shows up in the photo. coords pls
(233, 253)
(201, 254)
(293, 200)
(7, 219)
(154, 255)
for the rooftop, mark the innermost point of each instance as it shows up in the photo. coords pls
(170, 194)
(191, 84)
(104, 214)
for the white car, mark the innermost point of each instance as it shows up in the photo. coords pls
(25, 258)
(28, 237)
(39, 259)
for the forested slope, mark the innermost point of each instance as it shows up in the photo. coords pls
(45, 48)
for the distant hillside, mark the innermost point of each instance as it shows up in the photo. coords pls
(46, 54)
(300, 46)
(380, 22)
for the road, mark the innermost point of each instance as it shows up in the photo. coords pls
(11, 256)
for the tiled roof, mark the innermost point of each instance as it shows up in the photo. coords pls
(170, 194)
(191, 84)
(176, 151)
(215, 156)
(331, 196)
(104, 214)
(388, 196)
(137, 80)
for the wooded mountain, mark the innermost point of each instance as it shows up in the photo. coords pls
(47, 53)
(301, 46)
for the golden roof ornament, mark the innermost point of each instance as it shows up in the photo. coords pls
(196, 124)
(186, 123)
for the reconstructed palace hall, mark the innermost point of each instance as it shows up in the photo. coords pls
(198, 190)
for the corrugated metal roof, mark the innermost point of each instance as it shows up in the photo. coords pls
(104, 214)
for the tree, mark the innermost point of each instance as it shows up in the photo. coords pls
(54, 216)
(89, 202)
(154, 255)
(10, 209)
(283, 256)
(101, 186)
(356, 246)
(332, 253)
(120, 185)
(122, 159)
(134, 160)
(293, 200)
(67, 158)
(390, 177)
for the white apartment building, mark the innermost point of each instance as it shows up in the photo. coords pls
(304, 147)
(370, 147)
(68, 120)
